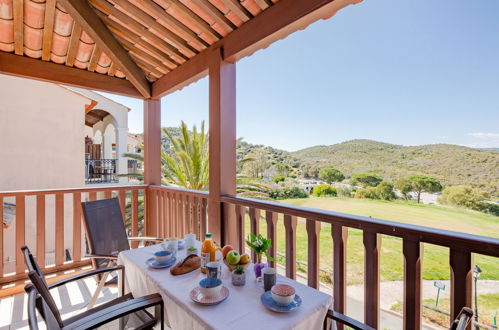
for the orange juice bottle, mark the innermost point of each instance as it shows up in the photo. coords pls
(208, 250)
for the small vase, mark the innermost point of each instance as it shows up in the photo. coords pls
(238, 279)
(257, 268)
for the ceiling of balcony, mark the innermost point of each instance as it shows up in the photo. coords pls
(159, 35)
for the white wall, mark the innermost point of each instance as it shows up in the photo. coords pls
(41, 147)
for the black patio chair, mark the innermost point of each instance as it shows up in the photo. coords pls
(126, 310)
(106, 237)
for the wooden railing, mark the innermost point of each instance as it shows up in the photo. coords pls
(50, 223)
(176, 211)
(461, 246)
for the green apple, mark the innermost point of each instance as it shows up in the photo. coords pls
(233, 257)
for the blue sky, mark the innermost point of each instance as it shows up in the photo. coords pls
(398, 71)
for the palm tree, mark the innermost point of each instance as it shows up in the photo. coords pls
(187, 163)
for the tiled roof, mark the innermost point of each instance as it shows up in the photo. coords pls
(158, 34)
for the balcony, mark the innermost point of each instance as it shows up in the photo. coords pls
(172, 211)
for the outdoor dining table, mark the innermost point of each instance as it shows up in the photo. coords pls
(241, 310)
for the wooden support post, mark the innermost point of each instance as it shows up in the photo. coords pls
(152, 158)
(340, 237)
(290, 223)
(372, 246)
(222, 144)
(314, 234)
(412, 284)
(461, 278)
(271, 219)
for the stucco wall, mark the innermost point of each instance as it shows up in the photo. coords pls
(41, 147)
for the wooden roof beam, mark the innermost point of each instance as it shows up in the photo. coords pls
(275, 23)
(85, 16)
(18, 12)
(73, 44)
(48, 29)
(31, 68)
(236, 7)
(216, 14)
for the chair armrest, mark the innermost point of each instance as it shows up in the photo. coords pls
(114, 312)
(146, 239)
(86, 274)
(100, 256)
(32, 295)
(343, 319)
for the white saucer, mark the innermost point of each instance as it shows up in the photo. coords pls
(199, 298)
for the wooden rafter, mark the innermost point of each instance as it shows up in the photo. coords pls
(155, 10)
(216, 14)
(84, 15)
(236, 7)
(139, 29)
(26, 67)
(92, 64)
(48, 29)
(112, 69)
(263, 4)
(151, 23)
(188, 14)
(18, 12)
(73, 44)
(128, 35)
(145, 56)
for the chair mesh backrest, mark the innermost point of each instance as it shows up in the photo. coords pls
(105, 229)
(49, 307)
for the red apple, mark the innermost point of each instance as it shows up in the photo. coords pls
(226, 250)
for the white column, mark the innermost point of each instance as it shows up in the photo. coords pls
(121, 148)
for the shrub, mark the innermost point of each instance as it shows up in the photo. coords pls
(324, 190)
(278, 179)
(469, 197)
(344, 191)
(288, 192)
(369, 192)
(385, 191)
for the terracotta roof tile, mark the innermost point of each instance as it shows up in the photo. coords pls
(6, 31)
(33, 38)
(34, 14)
(60, 44)
(6, 11)
(63, 23)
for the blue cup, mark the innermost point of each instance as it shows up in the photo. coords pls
(162, 257)
(210, 287)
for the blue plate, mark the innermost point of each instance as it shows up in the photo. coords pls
(151, 262)
(268, 302)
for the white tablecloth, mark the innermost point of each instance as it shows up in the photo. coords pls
(241, 310)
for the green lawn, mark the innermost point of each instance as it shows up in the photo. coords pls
(435, 259)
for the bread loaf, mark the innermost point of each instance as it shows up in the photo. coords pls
(187, 265)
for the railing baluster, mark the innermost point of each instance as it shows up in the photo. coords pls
(254, 215)
(77, 226)
(20, 232)
(204, 220)
(1, 237)
(122, 199)
(92, 196)
(412, 284)
(240, 219)
(460, 281)
(340, 237)
(180, 214)
(173, 213)
(40, 229)
(372, 246)
(108, 194)
(162, 218)
(59, 229)
(135, 217)
(290, 223)
(313, 234)
(195, 220)
(271, 219)
(187, 214)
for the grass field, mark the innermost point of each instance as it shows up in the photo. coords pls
(435, 258)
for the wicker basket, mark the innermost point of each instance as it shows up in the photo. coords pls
(232, 267)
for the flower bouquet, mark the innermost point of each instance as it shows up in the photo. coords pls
(260, 245)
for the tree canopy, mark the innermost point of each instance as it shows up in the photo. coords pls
(366, 179)
(421, 183)
(331, 175)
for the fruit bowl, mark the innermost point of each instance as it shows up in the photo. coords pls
(232, 267)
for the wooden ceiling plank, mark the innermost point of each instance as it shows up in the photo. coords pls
(73, 44)
(85, 16)
(143, 55)
(22, 66)
(146, 66)
(95, 115)
(216, 14)
(126, 34)
(18, 13)
(139, 29)
(150, 22)
(263, 4)
(94, 59)
(165, 16)
(236, 7)
(188, 14)
(48, 29)
(112, 69)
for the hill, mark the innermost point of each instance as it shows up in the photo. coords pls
(452, 164)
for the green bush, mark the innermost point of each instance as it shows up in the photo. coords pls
(324, 190)
(278, 179)
(288, 192)
(469, 197)
(369, 193)
(344, 191)
(385, 191)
